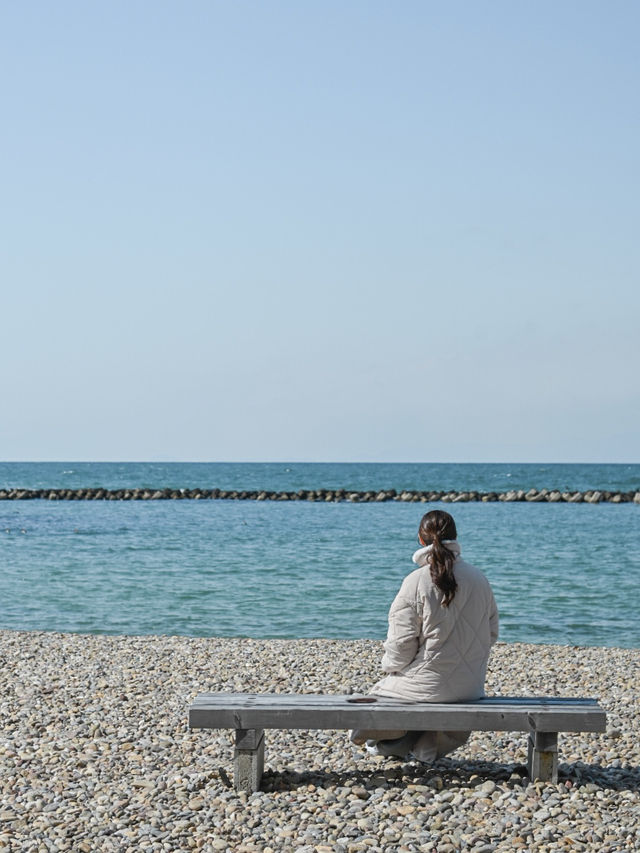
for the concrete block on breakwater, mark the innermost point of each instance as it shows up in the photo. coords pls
(592, 496)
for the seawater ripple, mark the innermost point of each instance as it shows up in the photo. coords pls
(563, 573)
(292, 476)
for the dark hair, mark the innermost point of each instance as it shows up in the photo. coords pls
(434, 528)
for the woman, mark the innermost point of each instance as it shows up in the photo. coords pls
(442, 625)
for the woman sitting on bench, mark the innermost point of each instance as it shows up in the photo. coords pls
(442, 625)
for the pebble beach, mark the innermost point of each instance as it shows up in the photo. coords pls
(96, 755)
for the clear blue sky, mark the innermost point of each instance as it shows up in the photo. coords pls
(320, 230)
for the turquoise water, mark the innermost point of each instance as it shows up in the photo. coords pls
(276, 476)
(562, 573)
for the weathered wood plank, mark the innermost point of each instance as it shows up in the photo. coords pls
(313, 711)
(268, 699)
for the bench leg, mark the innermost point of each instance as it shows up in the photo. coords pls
(248, 759)
(543, 756)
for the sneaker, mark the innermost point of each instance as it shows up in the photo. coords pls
(372, 747)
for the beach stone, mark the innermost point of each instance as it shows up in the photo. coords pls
(105, 762)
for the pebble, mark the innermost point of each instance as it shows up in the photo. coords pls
(95, 754)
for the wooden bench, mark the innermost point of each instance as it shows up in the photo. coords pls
(250, 713)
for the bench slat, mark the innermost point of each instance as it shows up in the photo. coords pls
(314, 711)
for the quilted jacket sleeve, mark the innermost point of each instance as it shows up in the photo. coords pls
(494, 622)
(401, 645)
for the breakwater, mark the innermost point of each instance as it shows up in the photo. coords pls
(592, 496)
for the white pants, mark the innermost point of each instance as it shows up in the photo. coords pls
(428, 748)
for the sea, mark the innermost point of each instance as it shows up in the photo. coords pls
(562, 573)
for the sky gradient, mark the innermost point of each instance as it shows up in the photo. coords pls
(331, 231)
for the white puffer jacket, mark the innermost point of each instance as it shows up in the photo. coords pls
(435, 653)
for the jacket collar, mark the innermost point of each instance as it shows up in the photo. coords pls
(421, 556)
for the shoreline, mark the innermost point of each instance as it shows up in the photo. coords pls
(376, 641)
(96, 754)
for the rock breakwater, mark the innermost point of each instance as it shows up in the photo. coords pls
(592, 496)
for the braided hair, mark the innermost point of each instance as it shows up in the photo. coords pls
(435, 527)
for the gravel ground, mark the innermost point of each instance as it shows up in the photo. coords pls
(95, 754)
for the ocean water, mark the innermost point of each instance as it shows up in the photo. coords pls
(358, 476)
(561, 573)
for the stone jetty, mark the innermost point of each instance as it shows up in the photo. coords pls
(96, 755)
(592, 496)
